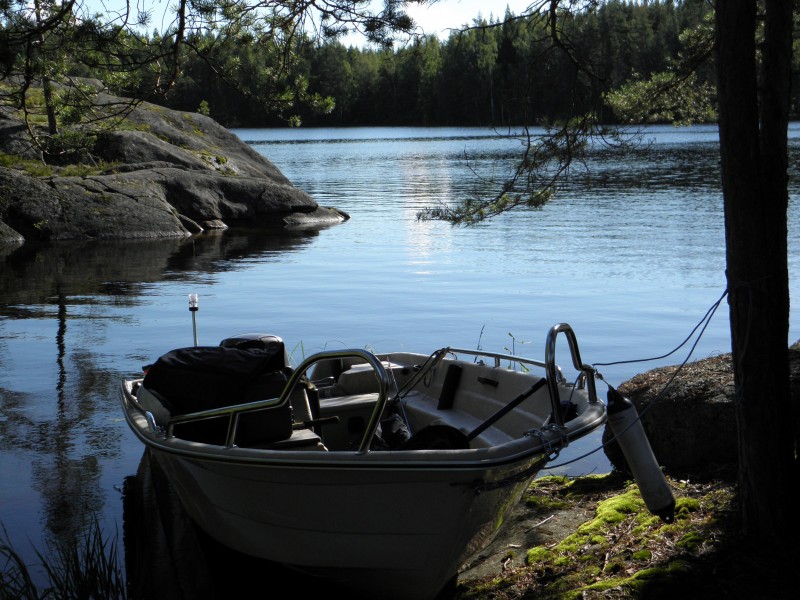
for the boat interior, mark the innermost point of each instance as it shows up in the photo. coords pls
(354, 400)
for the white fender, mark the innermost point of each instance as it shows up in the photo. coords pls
(629, 433)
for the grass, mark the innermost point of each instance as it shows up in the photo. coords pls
(84, 568)
(36, 168)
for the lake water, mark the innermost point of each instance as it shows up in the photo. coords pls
(630, 253)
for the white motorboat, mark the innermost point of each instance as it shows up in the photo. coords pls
(381, 472)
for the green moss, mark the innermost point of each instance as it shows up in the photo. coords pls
(538, 554)
(216, 161)
(195, 127)
(572, 543)
(613, 509)
(598, 539)
(624, 551)
(562, 561)
(604, 585)
(638, 584)
(85, 170)
(684, 506)
(690, 541)
(592, 484)
(559, 491)
(642, 555)
(128, 125)
(545, 503)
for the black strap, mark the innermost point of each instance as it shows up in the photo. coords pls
(506, 409)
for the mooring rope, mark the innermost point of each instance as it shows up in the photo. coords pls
(702, 325)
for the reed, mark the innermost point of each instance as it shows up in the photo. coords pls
(84, 567)
(15, 579)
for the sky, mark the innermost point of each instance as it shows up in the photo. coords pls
(437, 18)
(444, 15)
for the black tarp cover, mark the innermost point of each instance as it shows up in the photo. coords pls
(204, 377)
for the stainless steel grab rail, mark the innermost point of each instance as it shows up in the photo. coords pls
(497, 356)
(233, 412)
(380, 375)
(550, 366)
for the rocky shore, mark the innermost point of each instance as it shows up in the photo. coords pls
(592, 536)
(161, 173)
(688, 415)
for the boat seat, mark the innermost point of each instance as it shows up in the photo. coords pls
(271, 385)
(301, 407)
(361, 378)
(301, 439)
(261, 428)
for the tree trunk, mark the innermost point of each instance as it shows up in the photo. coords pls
(49, 104)
(42, 25)
(753, 120)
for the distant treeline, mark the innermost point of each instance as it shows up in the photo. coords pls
(501, 72)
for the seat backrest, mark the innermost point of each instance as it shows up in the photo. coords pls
(301, 408)
(152, 403)
(271, 385)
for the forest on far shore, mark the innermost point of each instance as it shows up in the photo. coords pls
(499, 72)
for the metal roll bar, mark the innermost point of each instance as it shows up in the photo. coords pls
(550, 366)
(380, 375)
(233, 412)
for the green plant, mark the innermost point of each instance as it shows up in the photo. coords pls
(87, 566)
(298, 346)
(15, 579)
(513, 351)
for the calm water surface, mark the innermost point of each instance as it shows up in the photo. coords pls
(630, 253)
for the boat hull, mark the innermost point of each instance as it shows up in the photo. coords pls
(373, 530)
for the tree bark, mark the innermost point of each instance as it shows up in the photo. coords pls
(753, 121)
(43, 25)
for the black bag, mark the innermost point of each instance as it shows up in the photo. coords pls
(203, 377)
(200, 378)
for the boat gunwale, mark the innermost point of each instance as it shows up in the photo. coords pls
(478, 459)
